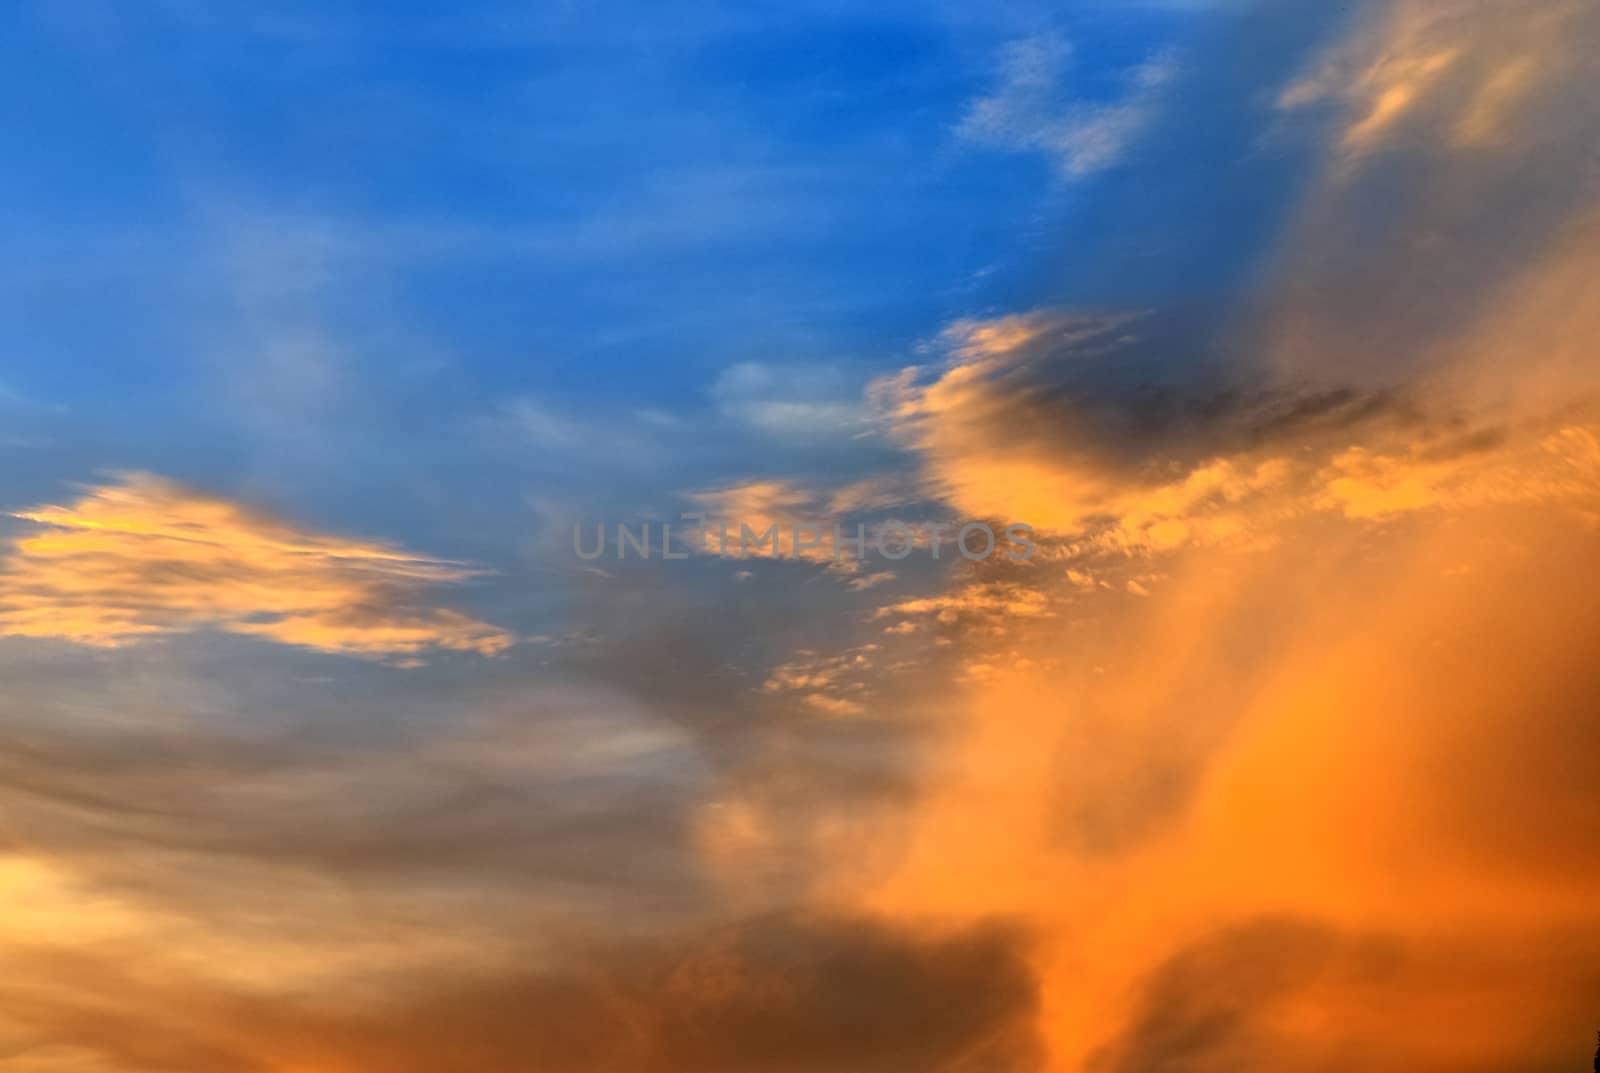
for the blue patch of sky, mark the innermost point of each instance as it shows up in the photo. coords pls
(315, 248)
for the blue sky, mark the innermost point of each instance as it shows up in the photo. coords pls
(298, 234)
(460, 282)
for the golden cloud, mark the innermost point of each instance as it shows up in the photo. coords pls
(145, 557)
(781, 519)
(1447, 74)
(762, 505)
(997, 439)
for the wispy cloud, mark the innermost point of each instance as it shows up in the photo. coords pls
(792, 401)
(145, 557)
(832, 684)
(1033, 108)
(785, 508)
(1443, 75)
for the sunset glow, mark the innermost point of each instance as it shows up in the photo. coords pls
(1118, 575)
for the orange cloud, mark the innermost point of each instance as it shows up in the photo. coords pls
(762, 505)
(982, 601)
(1446, 75)
(1281, 755)
(146, 557)
(997, 438)
(833, 685)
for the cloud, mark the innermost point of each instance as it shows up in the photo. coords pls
(809, 511)
(1022, 422)
(1445, 75)
(759, 506)
(833, 684)
(516, 789)
(779, 992)
(1278, 755)
(532, 431)
(1471, 191)
(877, 493)
(1275, 743)
(868, 581)
(1366, 723)
(542, 427)
(791, 401)
(986, 600)
(145, 557)
(10, 398)
(834, 705)
(1031, 108)
(1250, 993)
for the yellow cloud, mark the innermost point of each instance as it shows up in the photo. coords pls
(829, 684)
(984, 600)
(145, 556)
(761, 505)
(834, 705)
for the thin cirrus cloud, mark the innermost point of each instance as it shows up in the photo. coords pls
(144, 557)
(1426, 72)
(1031, 108)
(791, 401)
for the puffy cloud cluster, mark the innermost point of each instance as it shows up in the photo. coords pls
(1114, 476)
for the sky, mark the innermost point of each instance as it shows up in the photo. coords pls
(1258, 333)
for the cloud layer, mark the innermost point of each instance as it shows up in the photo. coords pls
(1277, 755)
